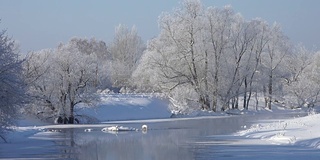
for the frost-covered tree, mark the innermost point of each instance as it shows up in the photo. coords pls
(213, 58)
(146, 78)
(126, 50)
(205, 49)
(302, 87)
(219, 22)
(75, 73)
(41, 86)
(276, 49)
(179, 53)
(259, 30)
(62, 78)
(98, 49)
(296, 63)
(11, 81)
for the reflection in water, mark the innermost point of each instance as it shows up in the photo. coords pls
(164, 140)
(154, 145)
(69, 147)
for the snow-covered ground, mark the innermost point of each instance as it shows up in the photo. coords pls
(303, 131)
(127, 107)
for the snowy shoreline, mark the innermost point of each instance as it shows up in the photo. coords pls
(302, 131)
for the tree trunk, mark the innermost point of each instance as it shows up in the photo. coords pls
(233, 103)
(215, 90)
(71, 117)
(270, 91)
(265, 96)
(257, 100)
(245, 94)
(214, 103)
(248, 100)
(206, 96)
(204, 101)
(236, 99)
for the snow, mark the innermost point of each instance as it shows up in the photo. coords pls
(303, 131)
(127, 107)
(118, 129)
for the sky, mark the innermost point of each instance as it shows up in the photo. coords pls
(40, 24)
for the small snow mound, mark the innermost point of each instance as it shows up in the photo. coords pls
(281, 138)
(144, 127)
(112, 129)
(118, 129)
(88, 130)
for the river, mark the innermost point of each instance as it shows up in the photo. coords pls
(170, 139)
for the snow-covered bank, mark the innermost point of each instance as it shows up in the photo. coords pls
(127, 107)
(302, 131)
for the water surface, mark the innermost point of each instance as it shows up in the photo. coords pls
(188, 139)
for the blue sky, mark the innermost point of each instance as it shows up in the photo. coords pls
(39, 24)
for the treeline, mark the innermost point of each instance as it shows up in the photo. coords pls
(203, 58)
(212, 58)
